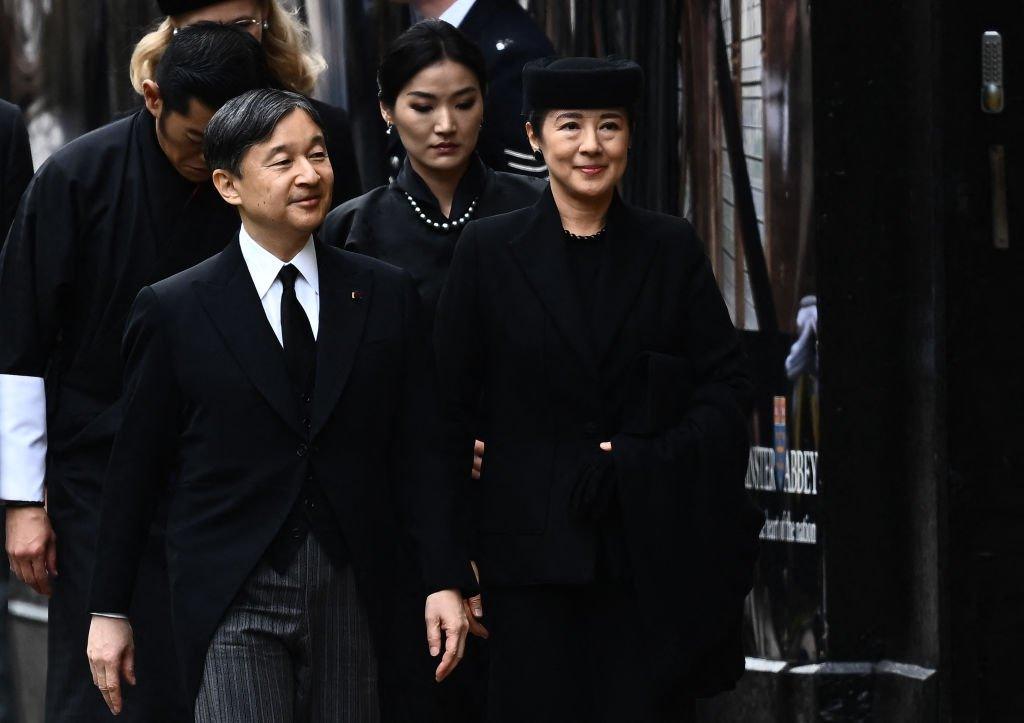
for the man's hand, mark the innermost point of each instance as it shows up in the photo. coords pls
(478, 458)
(475, 609)
(32, 547)
(111, 652)
(444, 611)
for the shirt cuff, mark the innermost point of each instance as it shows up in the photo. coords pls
(116, 616)
(22, 437)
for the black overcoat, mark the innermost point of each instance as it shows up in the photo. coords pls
(521, 370)
(383, 224)
(15, 163)
(207, 391)
(104, 216)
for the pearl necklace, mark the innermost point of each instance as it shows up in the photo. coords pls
(444, 226)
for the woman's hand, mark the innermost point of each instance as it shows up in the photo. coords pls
(475, 609)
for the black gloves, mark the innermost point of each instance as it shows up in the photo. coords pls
(594, 489)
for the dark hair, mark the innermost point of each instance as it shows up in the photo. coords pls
(211, 63)
(249, 119)
(424, 44)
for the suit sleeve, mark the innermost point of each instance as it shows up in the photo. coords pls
(459, 352)
(36, 275)
(138, 462)
(686, 516)
(17, 171)
(700, 462)
(429, 471)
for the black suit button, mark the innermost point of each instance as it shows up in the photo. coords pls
(296, 533)
(306, 423)
(310, 503)
(302, 449)
(309, 477)
(306, 398)
(590, 430)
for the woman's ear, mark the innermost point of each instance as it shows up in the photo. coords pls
(531, 136)
(386, 114)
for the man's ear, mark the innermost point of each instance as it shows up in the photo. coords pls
(225, 183)
(151, 94)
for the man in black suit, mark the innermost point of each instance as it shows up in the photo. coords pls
(284, 388)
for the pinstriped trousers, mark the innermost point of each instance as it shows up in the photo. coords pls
(292, 648)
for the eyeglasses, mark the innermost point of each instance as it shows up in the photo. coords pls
(243, 24)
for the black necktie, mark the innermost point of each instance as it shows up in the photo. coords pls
(297, 334)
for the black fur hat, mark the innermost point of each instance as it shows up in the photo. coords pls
(581, 83)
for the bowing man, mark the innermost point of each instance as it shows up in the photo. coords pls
(586, 342)
(112, 211)
(288, 381)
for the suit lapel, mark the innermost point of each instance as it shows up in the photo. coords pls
(230, 301)
(631, 252)
(475, 20)
(344, 301)
(540, 252)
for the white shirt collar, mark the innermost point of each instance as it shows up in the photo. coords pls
(264, 266)
(457, 12)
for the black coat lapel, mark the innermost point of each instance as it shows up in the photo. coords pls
(540, 251)
(630, 253)
(344, 300)
(230, 300)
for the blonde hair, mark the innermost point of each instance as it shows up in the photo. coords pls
(286, 43)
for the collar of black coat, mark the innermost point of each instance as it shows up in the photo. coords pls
(471, 186)
(227, 293)
(540, 250)
(163, 180)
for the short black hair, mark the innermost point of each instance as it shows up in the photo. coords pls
(211, 63)
(247, 120)
(424, 44)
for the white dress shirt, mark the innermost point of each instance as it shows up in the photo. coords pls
(264, 268)
(457, 12)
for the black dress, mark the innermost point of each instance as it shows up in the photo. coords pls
(106, 215)
(384, 224)
(629, 615)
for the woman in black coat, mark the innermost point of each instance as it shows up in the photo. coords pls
(587, 343)
(432, 80)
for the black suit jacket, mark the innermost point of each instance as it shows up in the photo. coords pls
(208, 403)
(15, 164)
(655, 368)
(509, 39)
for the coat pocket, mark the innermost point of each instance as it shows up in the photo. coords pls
(515, 487)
